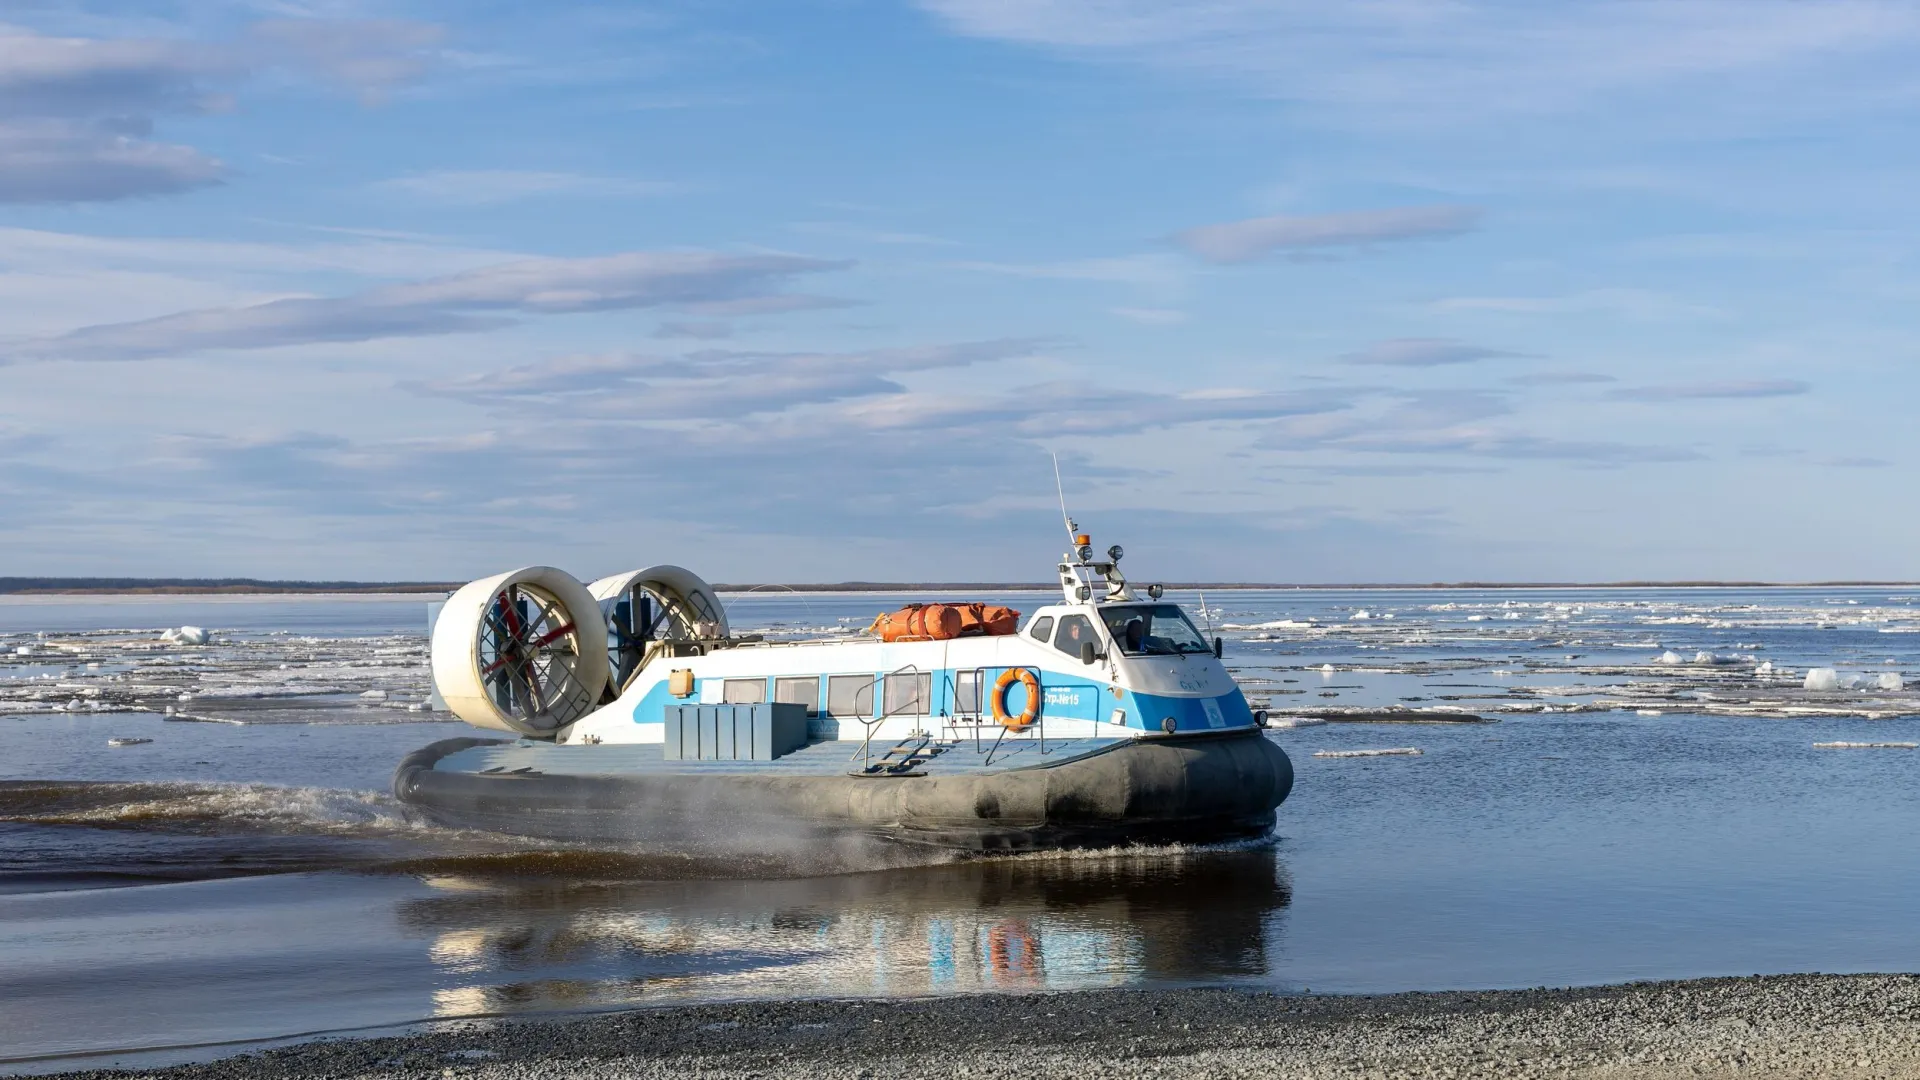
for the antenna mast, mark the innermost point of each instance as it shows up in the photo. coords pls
(1073, 531)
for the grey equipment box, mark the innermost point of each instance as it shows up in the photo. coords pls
(734, 732)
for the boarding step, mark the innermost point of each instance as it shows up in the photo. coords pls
(904, 758)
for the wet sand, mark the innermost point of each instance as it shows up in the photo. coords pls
(1782, 1026)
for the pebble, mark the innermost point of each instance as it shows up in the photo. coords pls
(1797, 1027)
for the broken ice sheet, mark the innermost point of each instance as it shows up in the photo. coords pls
(260, 678)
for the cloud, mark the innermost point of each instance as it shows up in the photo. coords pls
(717, 383)
(1855, 463)
(702, 331)
(479, 299)
(1741, 388)
(1634, 303)
(1143, 270)
(1536, 447)
(1254, 238)
(1422, 352)
(446, 496)
(1151, 316)
(1410, 61)
(1559, 378)
(349, 251)
(1427, 408)
(865, 234)
(367, 56)
(1073, 408)
(488, 187)
(822, 445)
(78, 78)
(50, 161)
(1450, 422)
(830, 407)
(1424, 468)
(53, 282)
(77, 114)
(1484, 443)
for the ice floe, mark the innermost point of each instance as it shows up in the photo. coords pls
(253, 677)
(1866, 746)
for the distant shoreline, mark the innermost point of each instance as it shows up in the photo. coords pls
(80, 586)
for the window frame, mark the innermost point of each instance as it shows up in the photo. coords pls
(1059, 631)
(966, 693)
(1119, 636)
(869, 683)
(812, 702)
(922, 684)
(727, 687)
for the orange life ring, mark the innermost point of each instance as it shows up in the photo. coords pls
(1026, 678)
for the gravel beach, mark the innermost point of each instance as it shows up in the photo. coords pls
(1780, 1026)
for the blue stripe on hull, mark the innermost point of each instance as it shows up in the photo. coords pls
(1190, 714)
(1064, 698)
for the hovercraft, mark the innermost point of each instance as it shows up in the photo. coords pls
(636, 716)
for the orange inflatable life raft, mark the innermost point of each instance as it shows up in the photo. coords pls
(943, 622)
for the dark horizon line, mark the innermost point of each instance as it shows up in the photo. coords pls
(30, 586)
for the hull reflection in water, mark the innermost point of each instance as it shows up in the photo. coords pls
(509, 944)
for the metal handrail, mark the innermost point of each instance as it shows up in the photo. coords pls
(979, 700)
(979, 712)
(998, 739)
(1039, 724)
(866, 745)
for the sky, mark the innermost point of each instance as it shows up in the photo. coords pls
(815, 290)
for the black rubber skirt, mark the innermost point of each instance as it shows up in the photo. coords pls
(1186, 788)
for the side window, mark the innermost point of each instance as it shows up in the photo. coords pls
(966, 692)
(1074, 629)
(1042, 628)
(745, 691)
(799, 692)
(850, 695)
(908, 694)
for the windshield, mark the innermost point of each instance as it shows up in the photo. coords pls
(1147, 629)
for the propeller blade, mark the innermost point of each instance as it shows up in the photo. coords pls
(531, 672)
(509, 603)
(551, 636)
(529, 701)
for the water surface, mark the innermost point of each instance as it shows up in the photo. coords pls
(246, 881)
